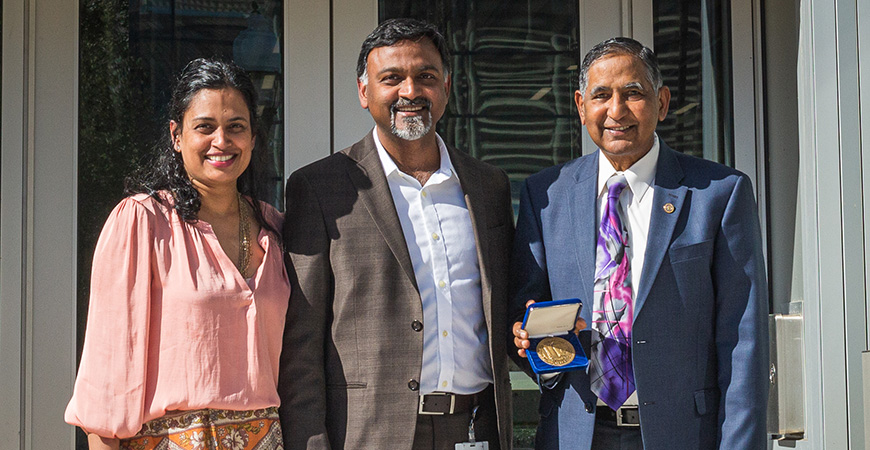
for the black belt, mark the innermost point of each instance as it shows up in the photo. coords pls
(625, 416)
(443, 403)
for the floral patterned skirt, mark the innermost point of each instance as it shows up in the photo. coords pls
(210, 429)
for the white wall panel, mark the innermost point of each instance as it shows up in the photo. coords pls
(37, 313)
(833, 230)
(12, 194)
(307, 43)
(863, 27)
(353, 20)
(50, 326)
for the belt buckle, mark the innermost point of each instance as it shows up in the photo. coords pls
(620, 422)
(436, 413)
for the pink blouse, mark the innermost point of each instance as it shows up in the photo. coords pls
(173, 325)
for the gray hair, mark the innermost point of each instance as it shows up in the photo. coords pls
(622, 46)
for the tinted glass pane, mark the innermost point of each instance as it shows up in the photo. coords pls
(514, 76)
(693, 45)
(129, 52)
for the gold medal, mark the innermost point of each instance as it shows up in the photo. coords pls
(555, 351)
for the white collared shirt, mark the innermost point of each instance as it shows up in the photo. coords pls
(440, 239)
(637, 201)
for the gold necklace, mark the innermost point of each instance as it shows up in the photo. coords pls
(244, 240)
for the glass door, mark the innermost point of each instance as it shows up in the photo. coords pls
(692, 40)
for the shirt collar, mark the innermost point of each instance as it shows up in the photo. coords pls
(445, 172)
(640, 175)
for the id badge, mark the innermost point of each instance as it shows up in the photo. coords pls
(472, 443)
(484, 445)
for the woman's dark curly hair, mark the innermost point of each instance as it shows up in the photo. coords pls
(167, 173)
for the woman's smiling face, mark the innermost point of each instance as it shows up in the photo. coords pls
(215, 138)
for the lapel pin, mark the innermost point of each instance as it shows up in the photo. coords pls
(669, 208)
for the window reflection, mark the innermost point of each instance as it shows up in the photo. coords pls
(166, 34)
(514, 77)
(693, 44)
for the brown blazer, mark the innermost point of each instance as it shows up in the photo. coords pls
(349, 348)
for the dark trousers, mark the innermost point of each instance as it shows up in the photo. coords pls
(443, 432)
(608, 436)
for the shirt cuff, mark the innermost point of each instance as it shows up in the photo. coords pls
(549, 380)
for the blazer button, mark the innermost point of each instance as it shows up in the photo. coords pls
(417, 325)
(413, 385)
(589, 407)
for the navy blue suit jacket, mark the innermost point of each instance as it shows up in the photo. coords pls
(700, 350)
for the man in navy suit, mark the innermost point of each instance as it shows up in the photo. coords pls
(664, 250)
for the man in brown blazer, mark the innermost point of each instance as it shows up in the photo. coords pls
(398, 257)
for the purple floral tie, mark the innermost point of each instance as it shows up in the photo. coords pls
(610, 372)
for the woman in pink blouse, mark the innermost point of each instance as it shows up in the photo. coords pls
(188, 290)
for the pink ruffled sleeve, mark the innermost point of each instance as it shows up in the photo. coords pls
(110, 388)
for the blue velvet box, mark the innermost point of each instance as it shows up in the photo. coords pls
(550, 326)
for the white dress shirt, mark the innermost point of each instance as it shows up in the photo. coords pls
(637, 202)
(440, 239)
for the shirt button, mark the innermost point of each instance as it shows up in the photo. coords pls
(443, 384)
(413, 385)
(444, 333)
(589, 407)
(435, 236)
(442, 284)
(416, 325)
(423, 194)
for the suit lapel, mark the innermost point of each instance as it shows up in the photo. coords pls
(667, 190)
(475, 198)
(582, 198)
(374, 191)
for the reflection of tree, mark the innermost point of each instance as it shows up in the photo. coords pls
(116, 127)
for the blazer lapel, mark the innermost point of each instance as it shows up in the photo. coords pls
(374, 191)
(475, 199)
(667, 190)
(582, 198)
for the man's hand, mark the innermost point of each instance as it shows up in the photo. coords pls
(521, 338)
